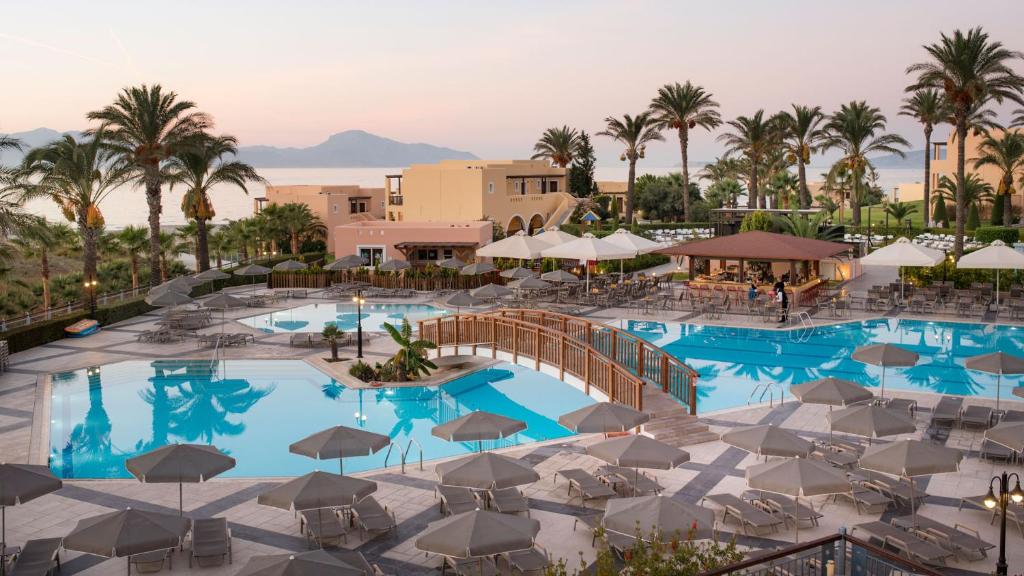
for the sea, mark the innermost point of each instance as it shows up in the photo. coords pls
(127, 205)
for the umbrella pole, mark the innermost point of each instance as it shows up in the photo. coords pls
(181, 500)
(882, 395)
(913, 510)
(636, 478)
(796, 520)
(999, 382)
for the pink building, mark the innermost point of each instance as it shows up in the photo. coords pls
(417, 242)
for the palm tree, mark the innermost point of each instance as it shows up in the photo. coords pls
(558, 145)
(145, 127)
(269, 225)
(300, 224)
(900, 211)
(133, 241)
(970, 69)
(976, 191)
(751, 137)
(332, 333)
(77, 176)
(188, 239)
(12, 214)
(720, 169)
(634, 132)
(170, 247)
(241, 235)
(783, 186)
(1006, 154)
(802, 135)
(219, 244)
(796, 224)
(928, 106)
(411, 359)
(200, 168)
(683, 107)
(858, 130)
(40, 239)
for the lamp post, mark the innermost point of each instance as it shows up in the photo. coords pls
(885, 208)
(1005, 496)
(945, 266)
(90, 288)
(869, 226)
(359, 301)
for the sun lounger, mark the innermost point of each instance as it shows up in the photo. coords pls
(908, 544)
(588, 485)
(979, 502)
(630, 480)
(211, 538)
(455, 499)
(370, 516)
(947, 411)
(976, 417)
(151, 562)
(1013, 416)
(472, 566)
(964, 541)
(532, 561)
(993, 451)
(899, 490)
(745, 513)
(300, 340)
(786, 507)
(509, 501)
(837, 458)
(902, 405)
(38, 558)
(323, 527)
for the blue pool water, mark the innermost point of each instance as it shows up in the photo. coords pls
(733, 361)
(253, 409)
(313, 317)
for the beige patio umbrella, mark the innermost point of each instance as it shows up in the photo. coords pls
(517, 273)
(126, 533)
(477, 269)
(317, 490)
(490, 292)
(519, 246)
(997, 363)
(626, 239)
(830, 391)
(910, 458)
(340, 442)
(529, 284)
(996, 256)
(478, 426)
(870, 421)
(885, 355)
(20, 483)
(797, 477)
(768, 440)
(477, 534)
(182, 284)
(463, 300)
(560, 276)
(394, 266)
(553, 236)
(1009, 434)
(638, 452)
(452, 264)
(659, 514)
(588, 248)
(903, 253)
(167, 298)
(602, 418)
(485, 471)
(179, 463)
(211, 275)
(311, 563)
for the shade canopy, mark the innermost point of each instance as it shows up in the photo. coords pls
(317, 490)
(768, 440)
(212, 274)
(290, 266)
(626, 239)
(560, 276)
(311, 563)
(463, 299)
(830, 391)
(589, 247)
(20, 483)
(168, 298)
(486, 471)
(870, 421)
(911, 458)
(477, 269)
(519, 246)
(182, 284)
(394, 266)
(346, 263)
(491, 291)
(603, 417)
(529, 284)
(638, 452)
(340, 442)
(177, 463)
(758, 245)
(885, 355)
(996, 363)
(451, 264)
(252, 270)
(657, 513)
(127, 532)
(221, 301)
(903, 252)
(1009, 434)
(995, 256)
(477, 426)
(553, 236)
(478, 533)
(797, 477)
(517, 273)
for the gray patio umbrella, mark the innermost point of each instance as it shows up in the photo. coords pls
(211, 275)
(797, 477)
(768, 440)
(168, 298)
(491, 292)
(452, 264)
(311, 563)
(477, 269)
(290, 266)
(478, 533)
(831, 391)
(346, 263)
(317, 490)
(223, 302)
(1009, 434)
(179, 463)
(183, 284)
(517, 273)
(394, 266)
(20, 483)
(997, 363)
(560, 276)
(603, 417)
(126, 533)
(529, 284)
(486, 471)
(478, 426)
(885, 355)
(910, 458)
(870, 421)
(340, 442)
(252, 270)
(638, 452)
(664, 516)
(463, 300)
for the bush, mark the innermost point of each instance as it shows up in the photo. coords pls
(989, 234)
(362, 371)
(973, 218)
(757, 221)
(641, 262)
(41, 333)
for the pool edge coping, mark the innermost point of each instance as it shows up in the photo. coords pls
(39, 439)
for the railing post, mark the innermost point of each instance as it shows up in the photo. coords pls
(457, 335)
(515, 343)
(640, 358)
(561, 357)
(615, 346)
(611, 382)
(494, 338)
(692, 385)
(536, 350)
(586, 371)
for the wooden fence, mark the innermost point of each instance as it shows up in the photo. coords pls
(323, 279)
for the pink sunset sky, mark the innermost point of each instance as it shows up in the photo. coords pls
(486, 77)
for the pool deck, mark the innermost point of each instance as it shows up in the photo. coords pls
(714, 467)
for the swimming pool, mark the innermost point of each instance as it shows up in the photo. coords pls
(313, 317)
(253, 409)
(733, 361)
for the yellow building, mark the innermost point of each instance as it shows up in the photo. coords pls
(333, 204)
(514, 194)
(616, 190)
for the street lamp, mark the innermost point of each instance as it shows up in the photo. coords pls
(359, 301)
(1001, 500)
(90, 289)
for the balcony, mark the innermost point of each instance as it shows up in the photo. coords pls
(395, 200)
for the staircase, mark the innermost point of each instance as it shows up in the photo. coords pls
(564, 210)
(671, 423)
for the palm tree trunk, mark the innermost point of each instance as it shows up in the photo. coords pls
(684, 144)
(295, 243)
(752, 198)
(961, 204)
(855, 199)
(927, 173)
(629, 191)
(89, 236)
(44, 263)
(801, 174)
(202, 246)
(1008, 201)
(163, 268)
(134, 263)
(152, 178)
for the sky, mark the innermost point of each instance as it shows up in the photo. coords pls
(487, 77)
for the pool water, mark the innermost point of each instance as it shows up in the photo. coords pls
(253, 409)
(733, 361)
(314, 317)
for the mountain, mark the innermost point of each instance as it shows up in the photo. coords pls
(32, 139)
(914, 159)
(352, 148)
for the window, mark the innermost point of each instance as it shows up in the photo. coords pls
(372, 255)
(356, 206)
(517, 186)
(426, 254)
(490, 187)
(334, 208)
(553, 186)
(447, 253)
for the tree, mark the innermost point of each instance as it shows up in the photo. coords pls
(929, 107)
(783, 188)
(974, 193)
(750, 138)
(1006, 154)
(721, 169)
(723, 192)
(199, 168)
(170, 247)
(683, 107)
(634, 132)
(38, 240)
(970, 69)
(858, 130)
(802, 135)
(300, 224)
(900, 211)
(218, 243)
(656, 554)
(146, 126)
(940, 214)
(411, 359)
(241, 235)
(133, 241)
(332, 333)
(796, 224)
(558, 146)
(581, 172)
(826, 203)
(757, 221)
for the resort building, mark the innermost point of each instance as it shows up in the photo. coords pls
(514, 194)
(333, 204)
(615, 190)
(416, 242)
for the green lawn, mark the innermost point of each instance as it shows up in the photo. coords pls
(878, 216)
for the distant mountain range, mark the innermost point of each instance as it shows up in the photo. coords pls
(914, 159)
(348, 149)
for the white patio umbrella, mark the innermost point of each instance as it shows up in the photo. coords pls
(588, 248)
(553, 236)
(996, 256)
(630, 241)
(518, 245)
(901, 253)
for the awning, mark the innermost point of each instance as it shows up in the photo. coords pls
(757, 245)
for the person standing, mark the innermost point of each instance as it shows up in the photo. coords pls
(783, 300)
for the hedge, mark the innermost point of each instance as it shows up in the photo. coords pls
(989, 234)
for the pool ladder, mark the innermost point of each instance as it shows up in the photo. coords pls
(806, 329)
(404, 454)
(216, 358)
(766, 389)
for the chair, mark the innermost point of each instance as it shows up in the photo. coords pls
(960, 539)
(870, 500)
(993, 451)
(322, 526)
(455, 499)
(745, 513)
(910, 545)
(509, 501)
(532, 561)
(211, 538)
(976, 417)
(481, 566)
(588, 485)
(902, 405)
(632, 482)
(1012, 516)
(38, 558)
(947, 410)
(788, 508)
(370, 516)
(150, 562)
(895, 489)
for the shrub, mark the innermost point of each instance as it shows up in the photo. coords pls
(40, 333)
(990, 234)
(362, 371)
(973, 218)
(757, 221)
(996, 218)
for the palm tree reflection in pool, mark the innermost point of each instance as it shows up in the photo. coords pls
(89, 441)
